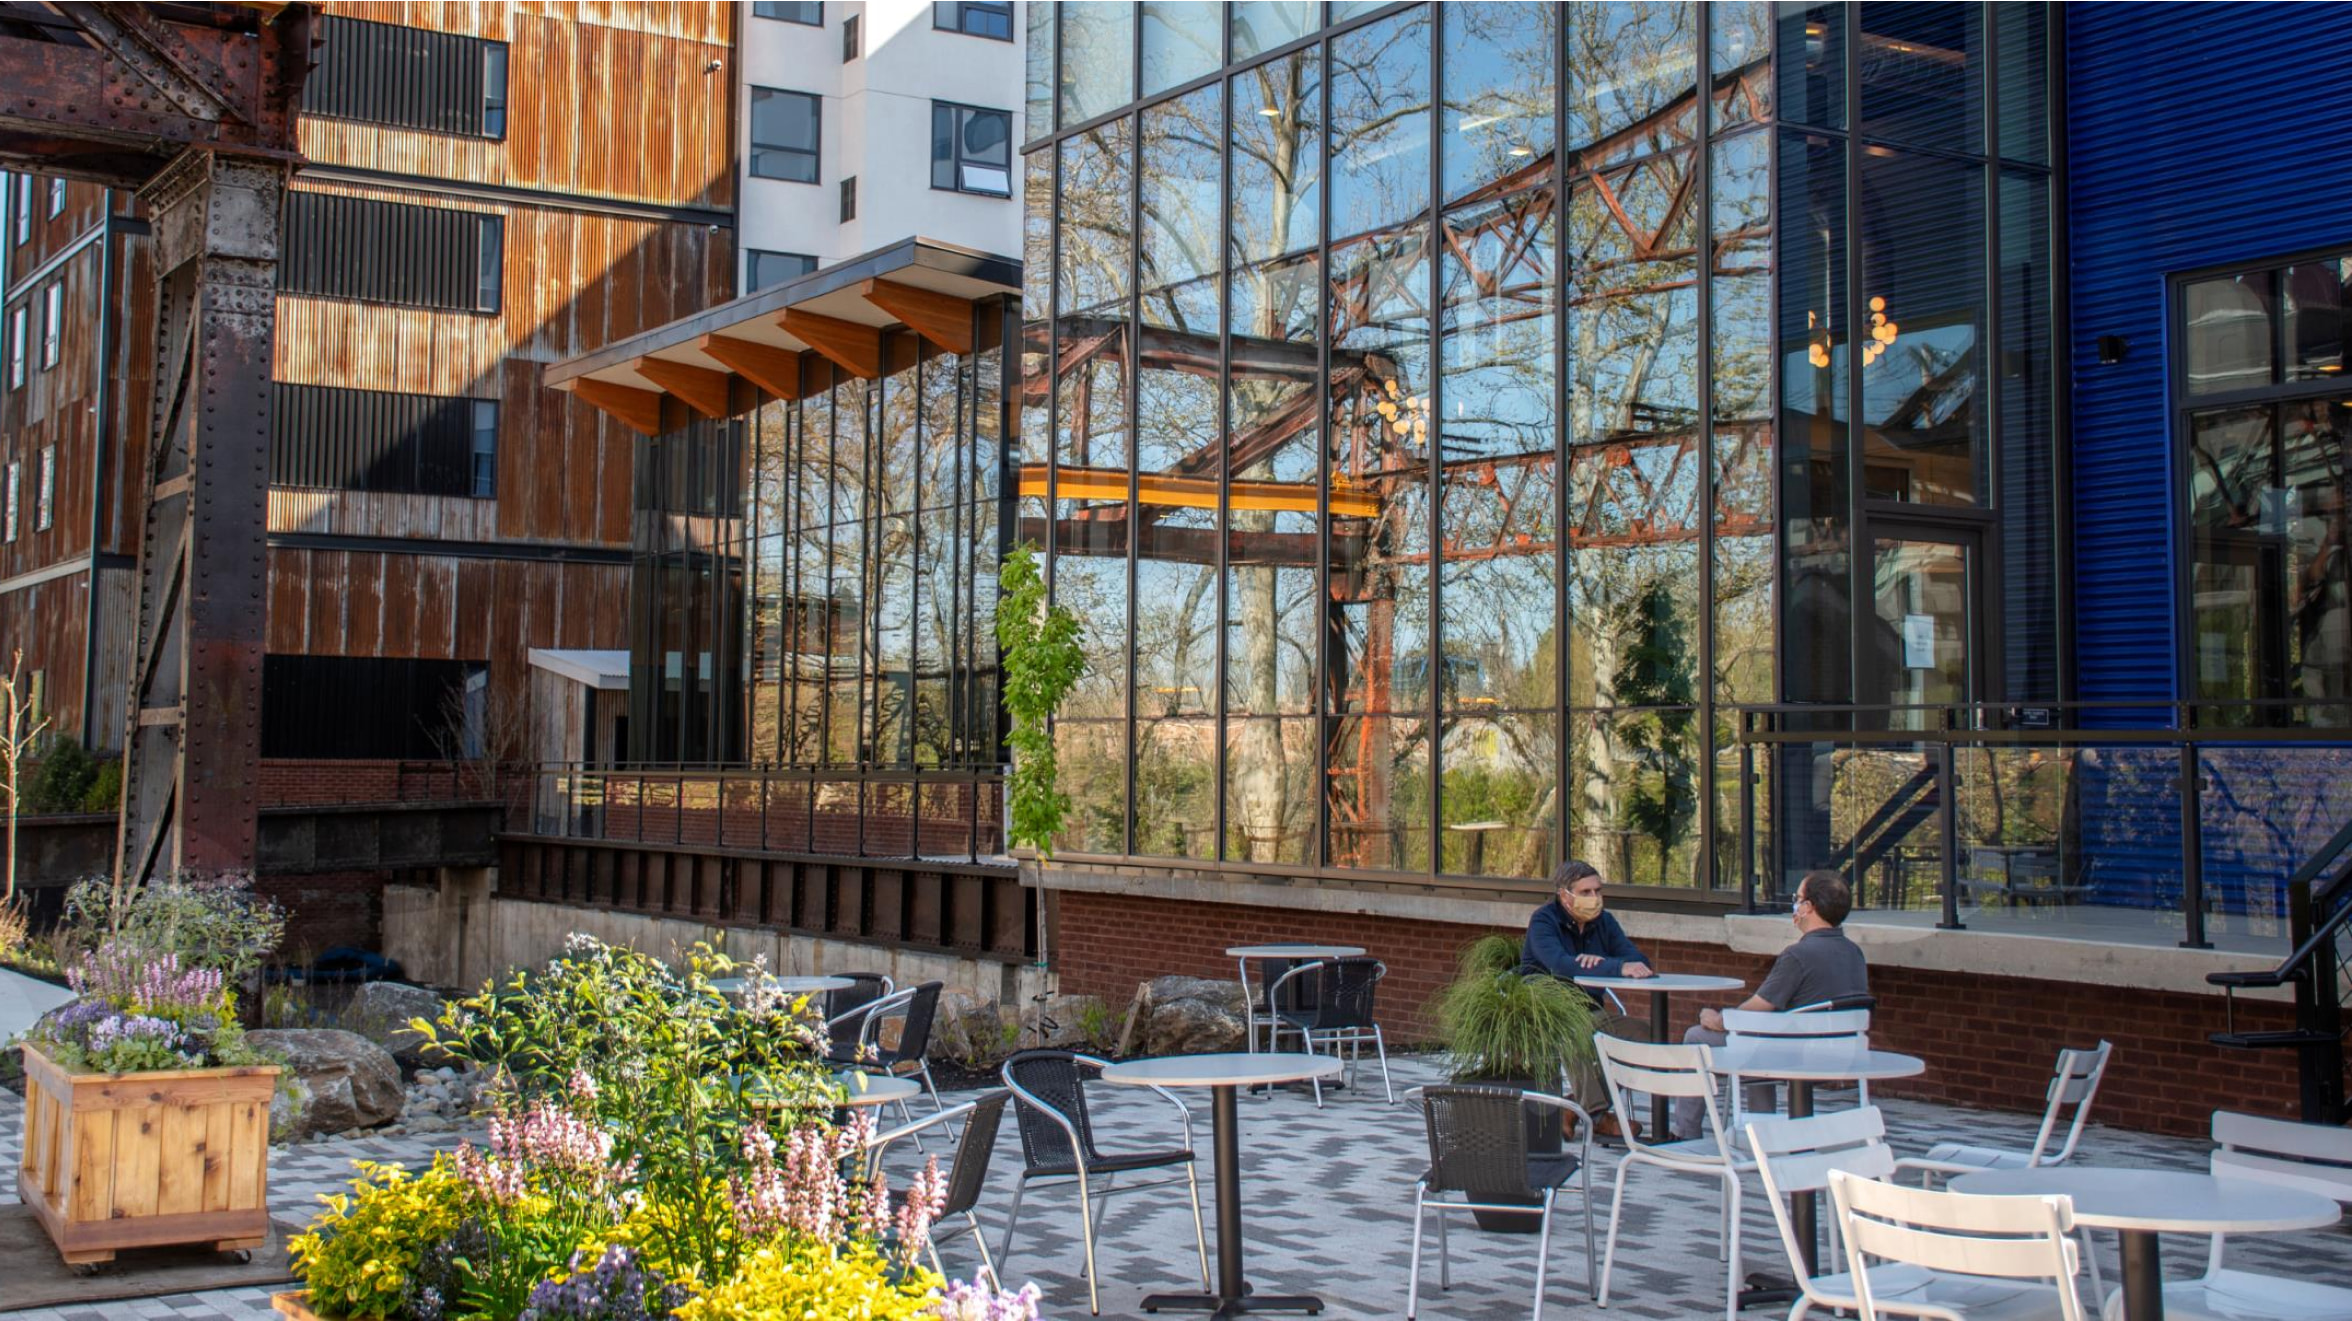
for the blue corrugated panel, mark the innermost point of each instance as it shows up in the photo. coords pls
(2196, 135)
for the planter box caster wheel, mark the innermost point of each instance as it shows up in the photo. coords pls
(237, 1256)
(87, 1269)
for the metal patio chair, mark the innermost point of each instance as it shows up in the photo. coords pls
(1478, 1150)
(845, 1009)
(1339, 1013)
(967, 1174)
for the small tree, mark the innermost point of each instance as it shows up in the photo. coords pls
(1041, 662)
(20, 733)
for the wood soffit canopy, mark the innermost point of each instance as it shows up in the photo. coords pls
(843, 315)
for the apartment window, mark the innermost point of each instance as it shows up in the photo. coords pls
(784, 134)
(994, 21)
(8, 523)
(971, 149)
(769, 269)
(392, 252)
(52, 323)
(808, 14)
(369, 706)
(24, 208)
(16, 348)
(56, 197)
(45, 489)
(404, 77)
(331, 438)
(849, 199)
(849, 38)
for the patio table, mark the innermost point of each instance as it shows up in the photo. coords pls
(1244, 955)
(788, 985)
(1658, 987)
(1802, 1062)
(1224, 1075)
(874, 1089)
(2144, 1203)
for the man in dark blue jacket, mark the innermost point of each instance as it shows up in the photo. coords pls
(1572, 937)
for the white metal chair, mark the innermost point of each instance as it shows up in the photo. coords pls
(1744, 1025)
(1673, 1071)
(1478, 1150)
(2075, 1083)
(1995, 1258)
(2279, 1152)
(1795, 1156)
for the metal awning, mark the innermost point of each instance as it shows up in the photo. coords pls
(840, 314)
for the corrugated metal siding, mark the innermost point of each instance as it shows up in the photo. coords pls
(2196, 135)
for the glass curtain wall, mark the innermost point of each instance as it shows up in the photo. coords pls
(1432, 524)
(687, 585)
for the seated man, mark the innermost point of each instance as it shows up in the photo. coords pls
(1823, 965)
(1571, 937)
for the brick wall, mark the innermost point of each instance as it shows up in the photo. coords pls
(1988, 1041)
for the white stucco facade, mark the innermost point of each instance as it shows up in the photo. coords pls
(875, 125)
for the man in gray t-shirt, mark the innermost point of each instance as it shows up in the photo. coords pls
(1823, 965)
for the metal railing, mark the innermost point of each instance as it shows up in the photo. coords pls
(2320, 917)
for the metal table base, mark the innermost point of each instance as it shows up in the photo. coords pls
(1233, 1296)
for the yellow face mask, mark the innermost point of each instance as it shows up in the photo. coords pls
(1584, 907)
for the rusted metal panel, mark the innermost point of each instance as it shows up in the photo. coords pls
(363, 604)
(327, 636)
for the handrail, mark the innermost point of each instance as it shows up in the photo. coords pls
(2286, 971)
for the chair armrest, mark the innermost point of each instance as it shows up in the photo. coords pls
(1584, 1125)
(1099, 1064)
(880, 1142)
(1061, 1121)
(1923, 1165)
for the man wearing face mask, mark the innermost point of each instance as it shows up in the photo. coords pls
(1823, 966)
(1572, 937)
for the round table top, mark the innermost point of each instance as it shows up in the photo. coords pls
(2165, 1201)
(788, 985)
(1294, 951)
(867, 1089)
(1231, 1069)
(1664, 982)
(1822, 1059)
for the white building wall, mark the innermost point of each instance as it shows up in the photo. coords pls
(877, 127)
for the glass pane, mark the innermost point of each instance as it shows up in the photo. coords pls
(1740, 63)
(2317, 328)
(1921, 643)
(1098, 57)
(1816, 643)
(2027, 448)
(1262, 25)
(1037, 263)
(2229, 339)
(1379, 793)
(1922, 74)
(2024, 106)
(1343, 10)
(1923, 311)
(891, 692)
(1277, 157)
(1380, 124)
(1175, 784)
(1097, 173)
(1500, 95)
(1499, 810)
(1039, 104)
(1633, 794)
(1181, 156)
(1093, 759)
(1632, 71)
(1274, 452)
(1270, 790)
(1742, 435)
(1181, 42)
(1812, 50)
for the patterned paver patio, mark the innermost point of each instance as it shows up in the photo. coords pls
(1328, 1209)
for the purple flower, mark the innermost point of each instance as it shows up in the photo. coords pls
(617, 1288)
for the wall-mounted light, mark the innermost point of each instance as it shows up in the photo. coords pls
(2113, 349)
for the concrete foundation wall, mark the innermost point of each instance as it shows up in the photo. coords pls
(461, 933)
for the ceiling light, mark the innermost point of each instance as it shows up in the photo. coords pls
(1523, 151)
(1270, 112)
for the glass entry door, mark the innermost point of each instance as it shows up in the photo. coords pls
(1924, 641)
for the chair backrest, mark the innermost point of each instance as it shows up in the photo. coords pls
(1345, 992)
(2013, 1238)
(2073, 1083)
(2313, 1157)
(1048, 1080)
(1280, 992)
(1751, 1023)
(1797, 1155)
(1658, 1070)
(1477, 1141)
(866, 988)
(914, 1033)
(1858, 1001)
(967, 1178)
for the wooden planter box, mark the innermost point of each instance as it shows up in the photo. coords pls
(141, 1160)
(295, 1305)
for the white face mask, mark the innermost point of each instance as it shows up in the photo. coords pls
(1797, 906)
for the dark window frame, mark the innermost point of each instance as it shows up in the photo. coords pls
(751, 263)
(952, 16)
(407, 77)
(956, 160)
(52, 323)
(20, 329)
(815, 154)
(763, 8)
(848, 198)
(56, 196)
(384, 442)
(372, 251)
(24, 209)
(852, 43)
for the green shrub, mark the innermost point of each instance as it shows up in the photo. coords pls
(1501, 1025)
(105, 791)
(62, 780)
(357, 1256)
(789, 1282)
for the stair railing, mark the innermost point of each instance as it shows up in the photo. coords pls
(2319, 910)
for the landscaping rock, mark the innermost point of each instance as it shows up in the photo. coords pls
(1066, 1022)
(341, 1079)
(381, 1012)
(1186, 1016)
(971, 1030)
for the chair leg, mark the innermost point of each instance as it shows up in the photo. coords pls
(1381, 1045)
(1012, 1222)
(1307, 1037)
(1543, 1252)
(938, 1106)
(1616, 1217)
(1200, 1233)
(1723, 1230)
(1086, 1229)
(909, 1115)
(1413, 1275)
(1592, 1275)
(1731, 1283)
(936, 1268)
(980, 1244)
(1445, 1252)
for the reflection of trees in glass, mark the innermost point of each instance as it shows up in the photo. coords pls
(1659, 794)
(1500, 91)
(1380, 123)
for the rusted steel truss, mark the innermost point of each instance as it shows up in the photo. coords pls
(194, 107)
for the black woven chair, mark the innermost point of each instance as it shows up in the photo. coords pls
(845, 1009)
(1265, 1011)
(1057, 1144)
(908, 1054)
(1478, 1153)
(967, 1175)
(1338, 1014)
